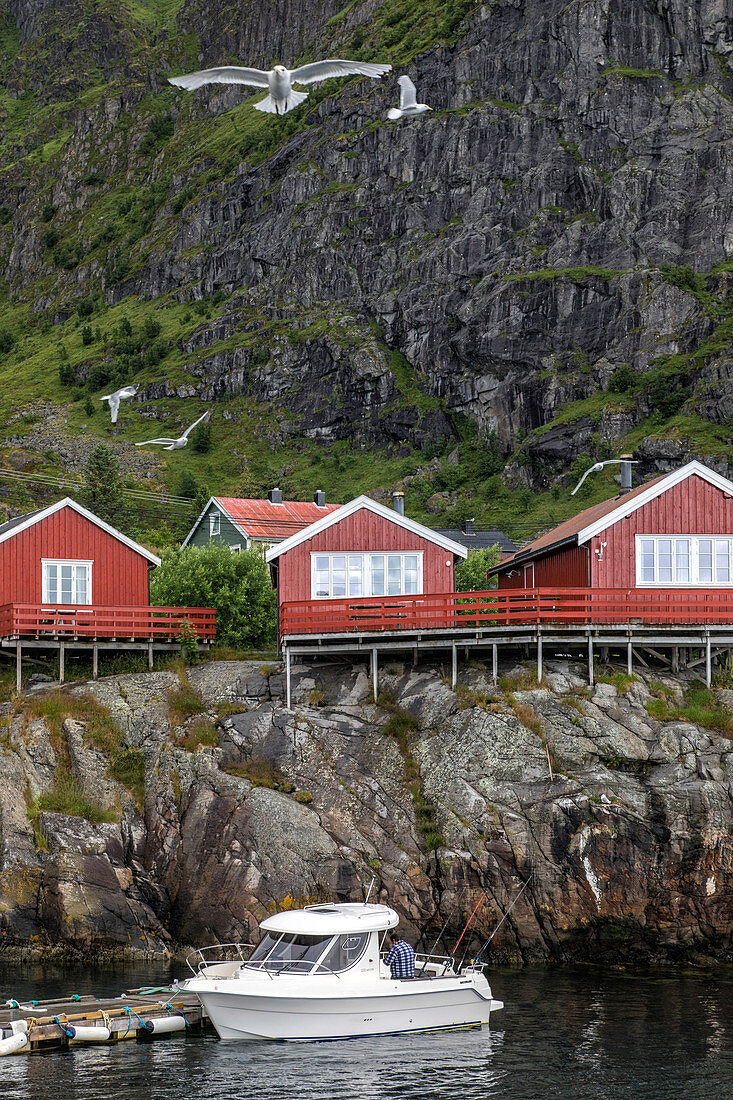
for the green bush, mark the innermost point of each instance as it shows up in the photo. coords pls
(623, 379)
(7, 341)
(237, 585)
(471, 573)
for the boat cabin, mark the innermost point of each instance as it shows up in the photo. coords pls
(323, 939)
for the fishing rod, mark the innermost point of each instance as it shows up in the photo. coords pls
(521, 891)
(463, 933)
(445, 925)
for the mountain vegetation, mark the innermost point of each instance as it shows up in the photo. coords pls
(472, 306)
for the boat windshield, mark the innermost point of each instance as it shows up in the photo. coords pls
(296, 954)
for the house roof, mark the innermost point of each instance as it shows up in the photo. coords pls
(479, 540)
(599, 517)
(380, 510)
(13, 527)
(261, 519)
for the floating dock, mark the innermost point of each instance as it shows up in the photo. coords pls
(73, 1020)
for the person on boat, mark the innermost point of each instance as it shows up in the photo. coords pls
(400, 958)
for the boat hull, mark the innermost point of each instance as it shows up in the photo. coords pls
(400, 1008)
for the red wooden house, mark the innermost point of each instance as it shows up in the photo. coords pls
(67, 575)
(355, 558)
(672, 533)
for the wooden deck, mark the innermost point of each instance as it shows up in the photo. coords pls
(124, 1017)
(104, 623)
(673, 627)
(521, 606)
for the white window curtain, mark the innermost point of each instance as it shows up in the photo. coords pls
(335, 576)
(67, 582)
(673, 560)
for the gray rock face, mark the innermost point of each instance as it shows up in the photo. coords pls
(623, 823)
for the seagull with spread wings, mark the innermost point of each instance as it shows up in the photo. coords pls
(599, 466)
(115, 398)
(174, 444)
(279, 81)
(409, 105)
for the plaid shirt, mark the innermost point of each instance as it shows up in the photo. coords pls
(401, 960)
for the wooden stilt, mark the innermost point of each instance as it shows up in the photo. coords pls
(287, 678)
(591, 676)
(62, 655)
(150, 655)
(375, 675)
(675, 658)
(629, 658)
(495, 663)
(454, 667)
(95, 662)
(414, 657)
(18, 667)
(539, 657)
(708, 669)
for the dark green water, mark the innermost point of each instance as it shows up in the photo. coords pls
(591, 1035)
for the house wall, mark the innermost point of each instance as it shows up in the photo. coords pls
(363, 532)
(119, 574)
(228, 533)
(694, 507)
(567, 568)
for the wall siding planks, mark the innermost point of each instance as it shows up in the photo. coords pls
(694, 507)
(567, 568)
(362, 532)
(119, 574)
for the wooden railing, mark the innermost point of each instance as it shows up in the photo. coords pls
(130, 623)
(456, 610)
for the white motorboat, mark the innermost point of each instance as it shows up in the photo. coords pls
(317, 973)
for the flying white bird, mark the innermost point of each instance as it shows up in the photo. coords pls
(599, 466)
(409, 105)
(174, 444)
(279, 80)
(115, 398)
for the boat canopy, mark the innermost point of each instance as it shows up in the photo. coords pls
(330, 920)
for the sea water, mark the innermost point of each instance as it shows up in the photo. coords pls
(594, 1035)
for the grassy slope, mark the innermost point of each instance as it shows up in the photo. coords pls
(132, 206)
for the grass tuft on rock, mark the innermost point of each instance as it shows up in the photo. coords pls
(700, 707)
(66, 796)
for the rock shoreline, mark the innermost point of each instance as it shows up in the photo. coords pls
(443, 797)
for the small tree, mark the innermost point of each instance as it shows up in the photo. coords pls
(471, 573)
(237, 585)
(102, 492)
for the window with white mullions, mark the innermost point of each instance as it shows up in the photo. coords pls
(67, 582)
(671, 560)
(354, 575)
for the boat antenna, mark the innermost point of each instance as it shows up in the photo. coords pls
(463, 933)
(516, 899)
(366, 900)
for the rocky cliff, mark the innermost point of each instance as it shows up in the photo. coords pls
(545, 256)
(226, 806)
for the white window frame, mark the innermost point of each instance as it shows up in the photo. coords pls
(694, 561)
(45, 562)
(366, 565)
(237, 548)
(214, 524)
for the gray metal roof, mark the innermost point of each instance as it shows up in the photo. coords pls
(11, 523)
(480, 539)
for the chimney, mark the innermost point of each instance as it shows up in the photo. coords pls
(275, 496)
(625, 473)
(319, 498)
(468, 528)
(398, 502)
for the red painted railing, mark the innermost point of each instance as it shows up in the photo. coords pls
(130, 623)
(519, 606)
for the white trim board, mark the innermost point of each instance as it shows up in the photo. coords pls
(67, 502)
(668, 482)
(379, 510)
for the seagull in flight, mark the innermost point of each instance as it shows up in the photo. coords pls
(115, 398)
(175, 444)
(599, 466)
(279, 81)
(409, 105)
